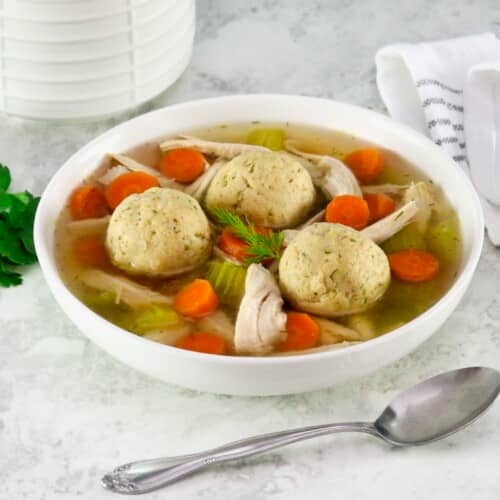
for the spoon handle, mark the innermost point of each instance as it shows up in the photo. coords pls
(148, 475)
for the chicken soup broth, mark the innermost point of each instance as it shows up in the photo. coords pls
(258, 239)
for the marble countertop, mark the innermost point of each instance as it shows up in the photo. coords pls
(69, 412)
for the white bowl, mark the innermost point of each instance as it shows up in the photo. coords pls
(248, 375)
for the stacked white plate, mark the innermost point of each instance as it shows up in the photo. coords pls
(75, 59)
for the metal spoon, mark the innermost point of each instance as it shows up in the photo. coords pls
(423, 413)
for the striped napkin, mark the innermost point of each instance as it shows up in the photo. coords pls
(450, 91)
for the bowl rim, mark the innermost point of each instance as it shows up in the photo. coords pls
(57, 286)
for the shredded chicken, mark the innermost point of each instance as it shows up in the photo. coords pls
(378, 232)
(334, 333)
(393, 189)
(260, 323)
(88, 226)
(289, 235)
(225, 256)
(134, 166)
(362, 324)
(168, 337)
(226, 150)
(112, 174)
(199, 187)
(315, 218)
(127, 291)
(329, 174)
(220, 324)
(421, 194)
(388, 226)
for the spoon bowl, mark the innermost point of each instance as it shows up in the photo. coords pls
(439, 406)
(426, 412)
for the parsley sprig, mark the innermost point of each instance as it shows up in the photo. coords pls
(17, 214)
(261, 247)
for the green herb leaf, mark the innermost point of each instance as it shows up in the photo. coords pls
(261, 246)
(17, 214)
(5, 178)
(12, 247)
(8, 278)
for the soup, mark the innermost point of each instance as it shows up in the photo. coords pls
(258, 239)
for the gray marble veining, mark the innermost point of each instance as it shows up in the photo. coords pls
(68, 412)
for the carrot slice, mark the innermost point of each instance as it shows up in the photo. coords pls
(349, 210)
(127, 184)
(88, 202)
(366, 164)
(183, 164)
(236, 247)
(302, 332)
(203, 342)
(196, 300)
(380, 205)
(233, 245)
(413, 266)
(90, 251)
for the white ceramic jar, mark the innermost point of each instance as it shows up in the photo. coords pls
(83, 59)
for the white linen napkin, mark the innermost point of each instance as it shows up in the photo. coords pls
(450, 90)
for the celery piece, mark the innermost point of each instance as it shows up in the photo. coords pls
(145, 319)
(154, 317)
(104, 304)
(405, 301)
(443, 240)
(271, 138)
(228, 281)
(96, 299)
(408, 237)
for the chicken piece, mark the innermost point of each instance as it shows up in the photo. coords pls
(289, 235)
(218, 252)
(226, 150)
(390, 189)
(261, 322)
(421, 194)
(333, 270)
(378, 232)
(199, 187)
(315, 218)
(134, 166)
(111, 174)
(329, 174)
(334, 333)
(88, 226)
(363, 325)
(168, 337)
(127, 291)
(384, 228)
(220, 324)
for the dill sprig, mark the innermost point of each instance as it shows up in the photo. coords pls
(260, 246)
